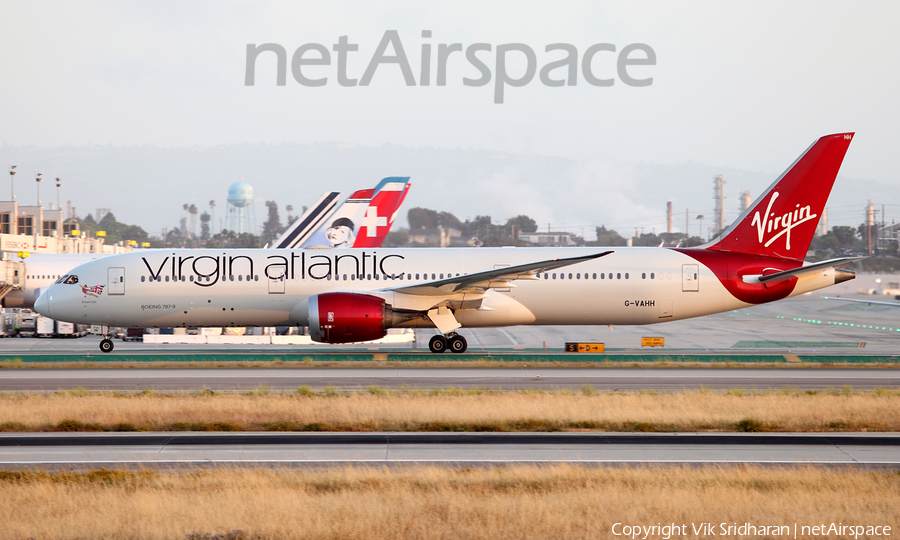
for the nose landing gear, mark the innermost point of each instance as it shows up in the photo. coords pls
(453, 341)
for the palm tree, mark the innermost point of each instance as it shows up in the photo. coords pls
(212, 212)
(290, 210)
(184, 221)
(192, 210)
(700, 218)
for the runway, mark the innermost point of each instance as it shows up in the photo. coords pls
(512, 378)
(299, 449)
(807, 325)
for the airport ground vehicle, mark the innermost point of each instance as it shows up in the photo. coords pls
(356, 295)
(134, 334)
(65, 329)
(44, 326)
(26, 325)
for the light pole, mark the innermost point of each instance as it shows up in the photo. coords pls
(58, 185)
(12, 174)
(37, 179)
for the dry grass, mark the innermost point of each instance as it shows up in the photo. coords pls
(453, 410)
(434, 503)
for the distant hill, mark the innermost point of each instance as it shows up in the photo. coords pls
(148, 185)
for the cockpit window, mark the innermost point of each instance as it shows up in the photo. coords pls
(60, 280)
(71, 280)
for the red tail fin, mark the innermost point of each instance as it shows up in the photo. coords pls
(382, 210)
(782, 221)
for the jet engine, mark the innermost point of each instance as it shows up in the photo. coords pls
(343, 317)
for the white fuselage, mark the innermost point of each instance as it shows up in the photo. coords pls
(262, 288)
(42, 270)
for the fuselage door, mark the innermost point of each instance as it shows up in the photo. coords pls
(116, 281)
(276, 284)
(690, 277)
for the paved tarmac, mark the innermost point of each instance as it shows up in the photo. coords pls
(511, 378)
(167, 449)
(808, 324)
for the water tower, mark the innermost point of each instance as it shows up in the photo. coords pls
(240, 209)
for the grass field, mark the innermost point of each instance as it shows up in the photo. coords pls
(433, 503)
(453, 410)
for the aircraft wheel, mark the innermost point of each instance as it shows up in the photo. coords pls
(458, 344)
(106, 345)
(438, 344)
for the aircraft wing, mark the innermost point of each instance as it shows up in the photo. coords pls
(861, 301)
(490, 279)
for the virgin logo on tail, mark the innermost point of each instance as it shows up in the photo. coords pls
(797, 196)
(785, 222)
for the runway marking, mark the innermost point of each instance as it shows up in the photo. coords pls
(499, 461)
(509, 337)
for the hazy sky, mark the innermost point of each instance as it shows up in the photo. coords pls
(747, 86)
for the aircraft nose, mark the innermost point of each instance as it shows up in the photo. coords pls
(42, 304)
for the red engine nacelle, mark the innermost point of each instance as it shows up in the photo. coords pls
(341, 317)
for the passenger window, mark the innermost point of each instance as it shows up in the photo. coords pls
(376, 276)
(417, 276)
(652, 275)
(643, 275)
(595, 275)
(626, 275)
(352, 277)
(167, 278)
(345, 277)
(368, 276)
(191, 279)
(240, 278)
(578, 276)
(546, 275)
(570, 276)
(231, 278)
(618, 276)
(255, 278)
(442, 276)
(143, 278)
(554, 275)
(432, 276)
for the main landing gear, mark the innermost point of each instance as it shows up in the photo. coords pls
(106, 345)
(453, 341)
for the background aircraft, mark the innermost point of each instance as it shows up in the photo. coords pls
(363, 220)
(374, 209)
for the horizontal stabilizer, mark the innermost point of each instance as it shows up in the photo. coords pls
(800, 271)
